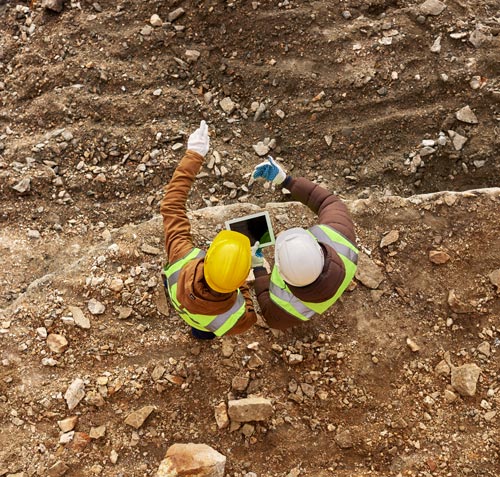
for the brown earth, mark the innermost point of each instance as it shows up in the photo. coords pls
(82, 117)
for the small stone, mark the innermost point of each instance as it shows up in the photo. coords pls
(477, 38)
(464, 379)
(67, 424)
(485, 349)
(175, 14)
(457, 305)
(227, 105)
(124, 312)
(295, 358)
(156, 92)
(432, 7)
(227, 348)
(59, 468)
(155, 20)
(390, 238)
(240, 383)
(80, 441)
(24, 185)
(192, 460)
(368, 273)
(96, 307)
(260, 148)
(449, 396)
(442, 368)
(75, 393)
(192, 55)
(157, 372)
(66, 437)
(97, 432)
(412, 345)
(436, 46)
(137, 418)
(57, 343)
(250, 409)
(466, 115)
(438, 257)
(280, 113)
(457, 140)
(328, 139)
(33, 234)
(494, 277)
(54, 5)
(146, 30)
(113, 457)
(221, 417)
(148, 249)
(116, 285)
(343, 439)
(79, 318)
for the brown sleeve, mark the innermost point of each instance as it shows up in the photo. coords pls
(330, 209)
(275, 316)
(249, 318)
(178, 240)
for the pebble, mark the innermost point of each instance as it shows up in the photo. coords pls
(75, 393)
(96, 307)
(368, 273)
(295, 358)
(280, 113)
(67, 424)
(34, 234)
(156, 92)
(495, 278)
(438, 257)
(137, 418)
(221, 416)
(328, 139)
(192, 55)
(150, 250)
(432, 7)
(24, 185)
(175, 14)
(240, 383)
(390, 238)
(113, 457)
(190, 460)
(155, 20)
(466, 115)
(58, 469)
(457, 140)
(261, 149)
(477, 38)
(227, 105)
(343, 439)
(464, 379)
(146, 30)
(54, 5)
(97, 432)
(79, 318)
(485, 349)
(57, 343)
(436, 46)
(412, 345)
(116, 285)
(250, 409)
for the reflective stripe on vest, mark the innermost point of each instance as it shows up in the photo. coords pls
(217, 324)
(281, 295)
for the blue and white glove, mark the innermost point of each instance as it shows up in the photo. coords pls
(257, 257)
(199, 141)
(270, 171)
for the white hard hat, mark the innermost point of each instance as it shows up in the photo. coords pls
(298, 256)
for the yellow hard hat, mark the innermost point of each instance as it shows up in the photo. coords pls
(228, 261)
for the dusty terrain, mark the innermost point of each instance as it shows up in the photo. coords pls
(95, 108)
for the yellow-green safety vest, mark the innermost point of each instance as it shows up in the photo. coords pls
(282, 296)
(217, 324)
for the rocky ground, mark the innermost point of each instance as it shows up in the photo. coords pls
(381, 101)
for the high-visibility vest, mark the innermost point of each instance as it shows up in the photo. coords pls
(282, 296)
(217, 324)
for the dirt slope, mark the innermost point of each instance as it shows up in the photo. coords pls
(95, 108)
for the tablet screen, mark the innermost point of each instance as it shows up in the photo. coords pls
(256, 227)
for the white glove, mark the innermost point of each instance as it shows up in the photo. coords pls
(199, 141)
(270, 171)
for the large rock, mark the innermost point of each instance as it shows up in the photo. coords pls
(464, 379)
(250, 409)
(192, 460)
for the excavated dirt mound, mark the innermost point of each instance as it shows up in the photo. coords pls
(95, 108)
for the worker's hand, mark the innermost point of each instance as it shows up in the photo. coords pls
(257, 257)
(269, 170)
(199, 141)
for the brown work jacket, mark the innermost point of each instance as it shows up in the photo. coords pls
(192, 291)
(331, 211)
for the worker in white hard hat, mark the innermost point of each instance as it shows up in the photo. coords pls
(314, 266)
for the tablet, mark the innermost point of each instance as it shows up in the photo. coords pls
(255, 227)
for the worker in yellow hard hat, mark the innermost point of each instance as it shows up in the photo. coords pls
(207, 289)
